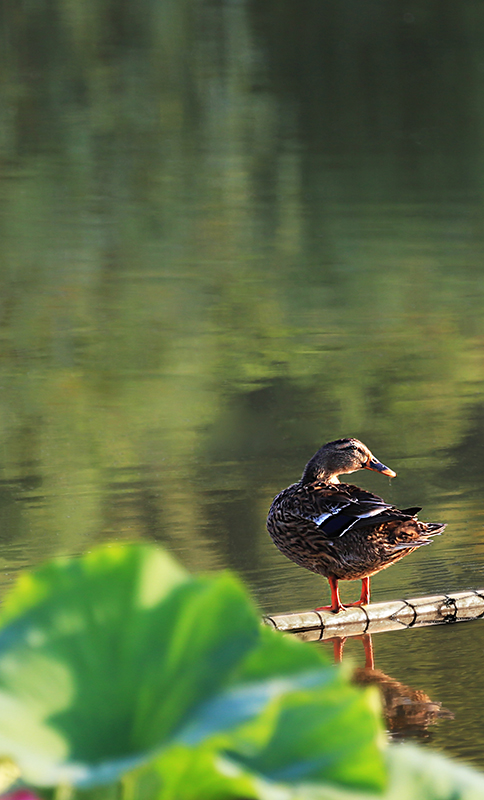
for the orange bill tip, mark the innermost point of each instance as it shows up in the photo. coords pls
(373, 464)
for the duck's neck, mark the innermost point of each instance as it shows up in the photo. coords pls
(314, 472)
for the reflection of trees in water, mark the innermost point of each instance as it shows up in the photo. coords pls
(408, 712)
(465, 457)
(209, 268)
(380, 83)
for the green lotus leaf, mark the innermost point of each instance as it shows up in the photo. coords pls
(110, 660)
(184, 773)
(314, 735)
(105, 658)
(330, 733)
(280, 655)
(189, 774)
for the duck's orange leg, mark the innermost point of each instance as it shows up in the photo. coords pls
(365, 592)
(336, 604)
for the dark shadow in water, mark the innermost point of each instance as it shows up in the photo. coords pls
(408, 712)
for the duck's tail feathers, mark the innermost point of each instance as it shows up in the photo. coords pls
(411, 545)
(434, 528)
(411, 511)
(428, 529)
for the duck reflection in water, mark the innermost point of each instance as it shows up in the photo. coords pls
(339, 530)
(408, 712)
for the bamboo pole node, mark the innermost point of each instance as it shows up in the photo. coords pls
(390, 615)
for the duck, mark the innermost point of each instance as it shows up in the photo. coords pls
(339, 530)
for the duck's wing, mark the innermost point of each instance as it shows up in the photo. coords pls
(354, 515)
(336, 510)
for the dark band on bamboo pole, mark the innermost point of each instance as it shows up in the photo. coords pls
(379, 617)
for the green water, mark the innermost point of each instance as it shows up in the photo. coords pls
(230, 232)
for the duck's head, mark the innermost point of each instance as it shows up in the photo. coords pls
(340, 457)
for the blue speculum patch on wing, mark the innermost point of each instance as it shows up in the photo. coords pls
(342, 517)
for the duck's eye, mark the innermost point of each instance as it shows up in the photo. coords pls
(347, 447)
(354, 450)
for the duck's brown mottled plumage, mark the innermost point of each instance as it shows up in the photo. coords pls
(339, 530)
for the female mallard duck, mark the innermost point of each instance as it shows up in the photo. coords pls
(339, 530)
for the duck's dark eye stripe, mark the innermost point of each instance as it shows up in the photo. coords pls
(343, 445)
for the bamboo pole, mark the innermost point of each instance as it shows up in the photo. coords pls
(392, 615)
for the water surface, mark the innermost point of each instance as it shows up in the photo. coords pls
(230, 233)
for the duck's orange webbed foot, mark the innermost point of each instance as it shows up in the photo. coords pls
(330, 608)
(356, 603)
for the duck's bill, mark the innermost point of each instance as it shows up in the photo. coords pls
(372, 463)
